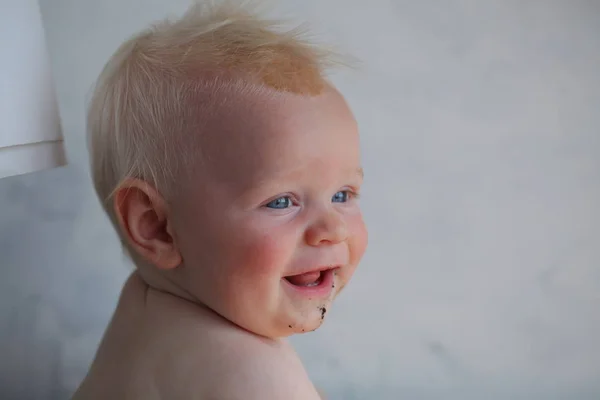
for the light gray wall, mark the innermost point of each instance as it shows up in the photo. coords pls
(480, 123)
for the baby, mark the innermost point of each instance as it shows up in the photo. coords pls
(230, 168)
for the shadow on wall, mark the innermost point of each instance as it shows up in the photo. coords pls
(31, 352)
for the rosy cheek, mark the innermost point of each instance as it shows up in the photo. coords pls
(359, 239)
(357, 243)
(262, 254)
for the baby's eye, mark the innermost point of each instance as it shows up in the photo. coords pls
(280, 203)
(341, 197)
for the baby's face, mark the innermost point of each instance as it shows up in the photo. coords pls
(272, 231)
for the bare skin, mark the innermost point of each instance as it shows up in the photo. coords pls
(159, 346)
(256, 250)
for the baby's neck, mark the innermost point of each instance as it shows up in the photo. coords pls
(169, 291)
(163, 283)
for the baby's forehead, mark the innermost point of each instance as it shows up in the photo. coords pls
(261, 119)
(265, 116)
(253, 139)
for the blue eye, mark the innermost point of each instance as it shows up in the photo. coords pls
(280, 203)
(340, 197)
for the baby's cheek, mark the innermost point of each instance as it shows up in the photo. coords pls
(359, 238)
(264, 255)
(357, 244)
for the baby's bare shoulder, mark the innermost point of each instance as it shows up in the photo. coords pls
(160, 347)
(210, 355)
(256, 369)
(222, 361)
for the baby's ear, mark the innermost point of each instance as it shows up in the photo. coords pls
(143, 217)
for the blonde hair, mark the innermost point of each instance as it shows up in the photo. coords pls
(146, 99)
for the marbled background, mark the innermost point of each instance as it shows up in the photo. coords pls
(481, 137)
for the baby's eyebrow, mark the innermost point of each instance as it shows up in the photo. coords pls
(360, 172)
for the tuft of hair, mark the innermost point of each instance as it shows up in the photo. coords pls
(153, 92)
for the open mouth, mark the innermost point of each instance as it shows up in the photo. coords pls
(314, 283)
(309, 279)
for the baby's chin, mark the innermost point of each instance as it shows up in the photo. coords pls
(302, 321)
(309, 320)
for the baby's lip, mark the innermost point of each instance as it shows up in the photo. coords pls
(318, 269)
(319, 284)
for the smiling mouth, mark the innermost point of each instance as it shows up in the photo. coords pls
(312, 285)
(309, 279)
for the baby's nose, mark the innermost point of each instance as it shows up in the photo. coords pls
(330, 228)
